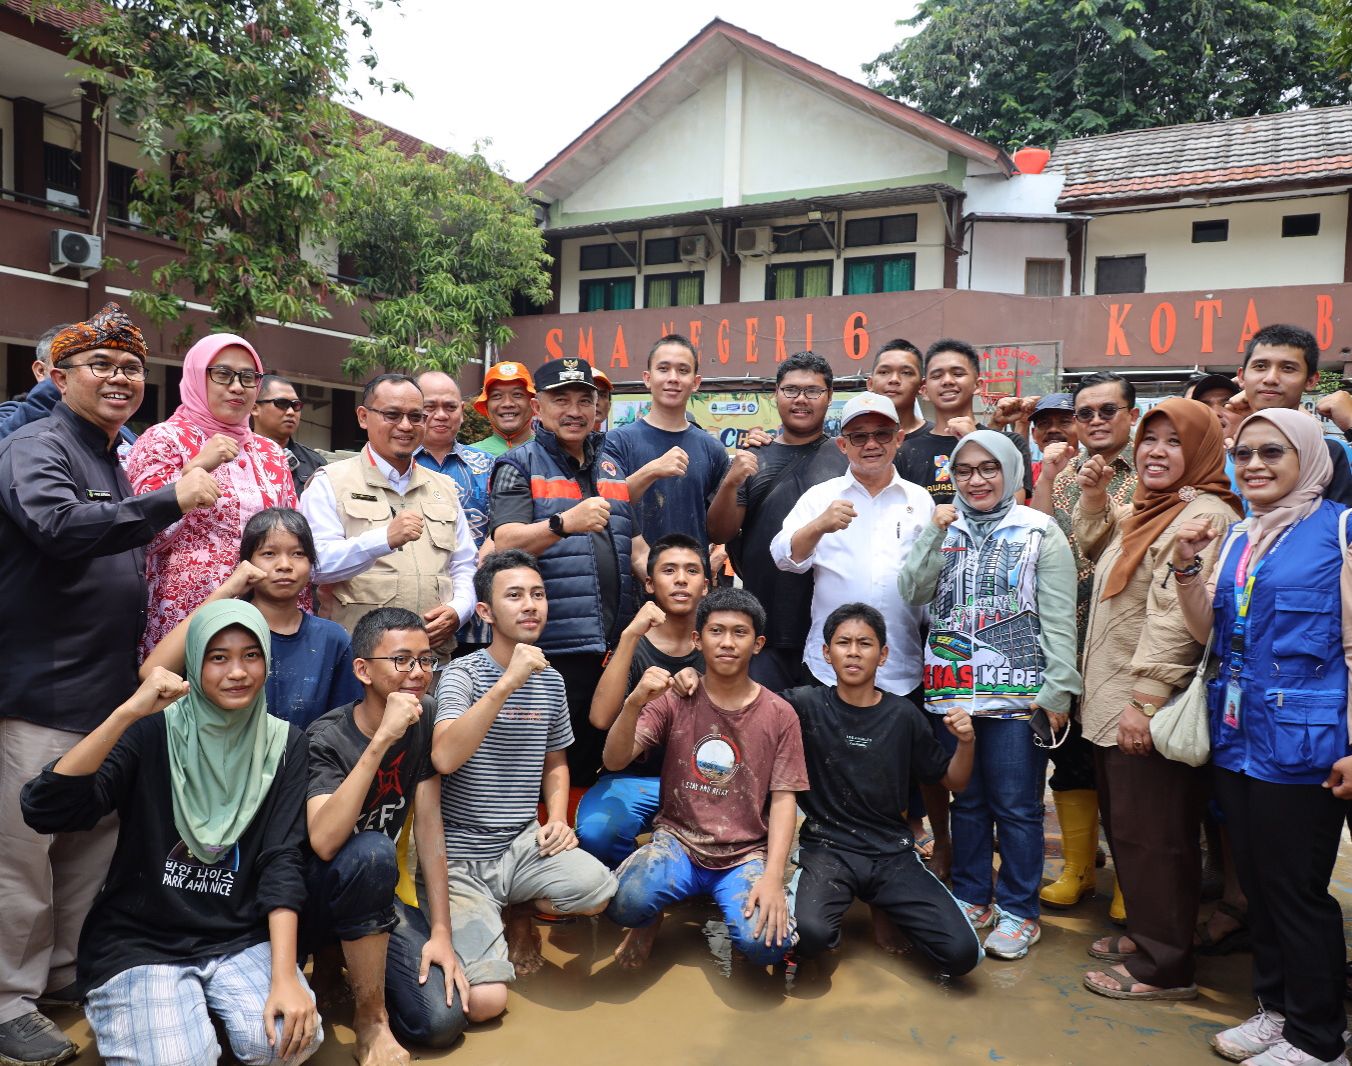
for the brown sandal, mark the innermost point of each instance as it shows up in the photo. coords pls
(1113, 952)
(1123, 989)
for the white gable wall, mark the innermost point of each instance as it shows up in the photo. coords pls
(795, 138)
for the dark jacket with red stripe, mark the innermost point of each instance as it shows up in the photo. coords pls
(569, 567)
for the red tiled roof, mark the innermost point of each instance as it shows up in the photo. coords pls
(1313, 146)
(405, 142)
(61, 18)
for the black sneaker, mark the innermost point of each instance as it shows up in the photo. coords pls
(33, 1039)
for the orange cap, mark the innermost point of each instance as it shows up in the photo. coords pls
(602, 382)
(500, 372)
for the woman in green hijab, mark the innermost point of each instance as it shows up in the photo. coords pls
(197, 919)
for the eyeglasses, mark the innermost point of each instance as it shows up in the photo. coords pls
(448, 407)
(404, 663)
(223, 375)
(415, 418)
(987, 471)
(285, 405)
(812, 392)
(1268, 454)
(1106, 413)
(859, 440)
(102, 368)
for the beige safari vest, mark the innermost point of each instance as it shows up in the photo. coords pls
(414, 577)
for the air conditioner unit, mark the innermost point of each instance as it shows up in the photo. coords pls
(695, 248)
(755, 242)
(73, 249)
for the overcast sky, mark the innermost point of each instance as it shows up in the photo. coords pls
(531, 75)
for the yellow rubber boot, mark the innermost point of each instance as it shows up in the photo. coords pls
(406, 853)
(1117, 910)
(1077, 811)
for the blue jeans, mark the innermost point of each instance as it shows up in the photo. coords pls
(352, 897)
(613, 812)
(662, 873)
(1008, 778)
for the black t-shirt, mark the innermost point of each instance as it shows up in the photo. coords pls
(511, 502)
(861, 761)
(335, 746)
(923, 459)
(786, 471)
(648, 654)
(159, 904)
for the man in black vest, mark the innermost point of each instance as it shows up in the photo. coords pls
(559, 499)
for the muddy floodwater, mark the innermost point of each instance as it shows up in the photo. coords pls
(692, 1004)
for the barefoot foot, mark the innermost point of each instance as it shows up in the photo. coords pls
(376, 1046)
(523, 940)
(891, 939)
(636, 946)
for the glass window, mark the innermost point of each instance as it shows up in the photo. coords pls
(882, 229)
(661, 250)
(1300, 225)
(892, 273)
(608, 256)
(1044, 277)
(674, 290)
(607, 294)
(788, 281)
(1212, 231)
(1119, 273)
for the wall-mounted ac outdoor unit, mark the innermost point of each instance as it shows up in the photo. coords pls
(694, 248)
(755, 242)
(73, 249)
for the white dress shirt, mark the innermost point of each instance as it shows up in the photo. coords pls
(341, 558)
(860, 563)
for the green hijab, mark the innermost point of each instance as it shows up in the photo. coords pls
(221, 763)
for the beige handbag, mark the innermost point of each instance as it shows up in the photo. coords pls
(1181, 728)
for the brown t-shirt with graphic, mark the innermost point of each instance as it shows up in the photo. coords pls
(719, 770)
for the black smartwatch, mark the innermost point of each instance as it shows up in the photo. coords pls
(556, 525)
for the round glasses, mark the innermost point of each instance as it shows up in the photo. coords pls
(103, 368)
(223, 375)
(404, 663)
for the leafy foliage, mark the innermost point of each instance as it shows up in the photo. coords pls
(1035, 71)
(444, 245)
(236, 106)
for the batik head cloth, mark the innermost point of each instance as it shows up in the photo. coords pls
(111, 328)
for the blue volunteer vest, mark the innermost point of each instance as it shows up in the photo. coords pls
(569, 566)
(1292, 723)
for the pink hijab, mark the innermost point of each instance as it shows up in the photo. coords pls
(193, 388)
(1316, 471)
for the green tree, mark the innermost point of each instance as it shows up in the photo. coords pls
(443, 246)
(1035, 71)
(1337, 18)
(236, 104)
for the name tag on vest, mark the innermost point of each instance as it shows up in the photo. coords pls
(364, 496)
(98, 494)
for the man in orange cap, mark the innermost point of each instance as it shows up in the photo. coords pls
(604, 389)
(505, 402)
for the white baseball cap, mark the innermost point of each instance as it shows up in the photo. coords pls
(869, 403)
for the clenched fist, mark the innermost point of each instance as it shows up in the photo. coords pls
(589, 516)
(160, 688)
(526, 661)
(1056, 457)
(743, 465)
(648, 617)
(1193, 537)
(944, 515)
(217, 450)
(1093, 479)
(402, 709)
(837, 516)
(196, 489)
(652, 684)
(404, 528)
(673, 464)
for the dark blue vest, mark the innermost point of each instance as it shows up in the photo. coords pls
(1293, 714)
(569, 566)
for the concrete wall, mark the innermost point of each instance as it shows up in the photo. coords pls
(997, 254)
(1255, 253)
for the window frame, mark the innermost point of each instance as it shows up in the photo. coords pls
(613, 252)
(1316, 215)
(673, 275)
(1029, 260)
(877, 262)
(584, 283)
(1098, 270)
(772, 269)
(882, 221)
(1205, 230)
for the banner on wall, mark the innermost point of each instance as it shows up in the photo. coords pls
(729, 416)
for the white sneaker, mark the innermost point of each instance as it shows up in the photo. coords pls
(1012, 936)
(1250, 1038)
(1283, 1054)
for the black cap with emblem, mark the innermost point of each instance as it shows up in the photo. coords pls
(558, 373)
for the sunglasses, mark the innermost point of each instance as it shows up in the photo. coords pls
(860, 440)
(286, 405)
(1106, 413)
(1268, 454)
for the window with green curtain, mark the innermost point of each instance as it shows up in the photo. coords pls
(690, 290)
(817, 280)
(593, 296)
(858, 278)
(621, 294)
(659, 293)
(786, 283)
(898, 274)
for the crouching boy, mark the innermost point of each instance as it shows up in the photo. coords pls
(733, 762)
(501, 731)
(864, 747)
(370, 770)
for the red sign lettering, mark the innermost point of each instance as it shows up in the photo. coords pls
(1208, 311)
(1117, 337)
(1163, 328)
(856, 336)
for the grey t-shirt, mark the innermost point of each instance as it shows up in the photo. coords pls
(492, 797)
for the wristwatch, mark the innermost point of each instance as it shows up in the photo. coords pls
(556, 525)
(1147, 709)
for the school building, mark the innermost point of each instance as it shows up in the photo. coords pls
(761, 204)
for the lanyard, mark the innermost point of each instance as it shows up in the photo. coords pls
(1244, 579)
